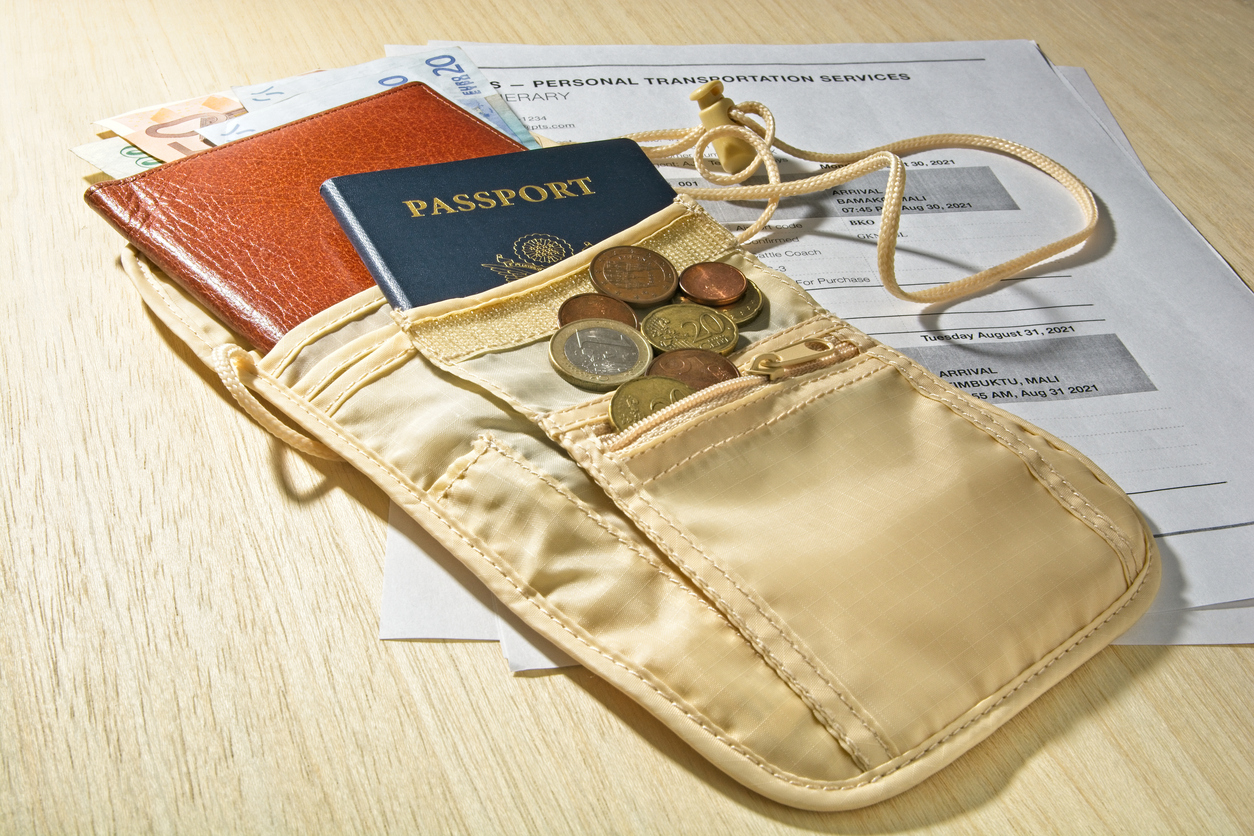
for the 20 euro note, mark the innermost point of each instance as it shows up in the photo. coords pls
(308, 103)
(168, 131)
(447, 70)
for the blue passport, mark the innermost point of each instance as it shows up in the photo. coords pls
(436, 232)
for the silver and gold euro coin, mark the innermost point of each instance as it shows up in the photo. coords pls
(599, 354)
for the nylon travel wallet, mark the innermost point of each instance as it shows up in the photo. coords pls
(242, 227)
(831, 575)
(831, 584)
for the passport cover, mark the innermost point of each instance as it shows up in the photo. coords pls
(241, 226)
(437, 232)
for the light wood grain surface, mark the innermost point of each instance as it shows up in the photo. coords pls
(189, 613)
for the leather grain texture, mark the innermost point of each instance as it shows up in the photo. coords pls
(242, 226)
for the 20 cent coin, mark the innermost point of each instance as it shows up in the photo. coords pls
(673, 327)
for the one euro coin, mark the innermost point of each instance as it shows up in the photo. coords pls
(599, 354)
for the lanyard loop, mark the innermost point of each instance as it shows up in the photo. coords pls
(760, 136)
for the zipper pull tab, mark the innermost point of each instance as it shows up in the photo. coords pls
(777, 363)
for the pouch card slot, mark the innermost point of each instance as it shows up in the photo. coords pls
(960, 567)
(761, 370)
(613, 590)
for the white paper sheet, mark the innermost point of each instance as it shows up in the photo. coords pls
(429, 594)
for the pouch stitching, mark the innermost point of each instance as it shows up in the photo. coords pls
(823, 715)
(340, 368)
(679, 433)
(1098, 522)
(701, 721)
(330, 326)
(465, 468)
(592, 514)
(356, 385)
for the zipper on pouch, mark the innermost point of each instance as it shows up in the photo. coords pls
(761, 370)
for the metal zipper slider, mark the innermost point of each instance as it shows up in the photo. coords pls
(775, 364)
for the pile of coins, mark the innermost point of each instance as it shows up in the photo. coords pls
(692, 323)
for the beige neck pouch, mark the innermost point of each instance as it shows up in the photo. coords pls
(831, 575)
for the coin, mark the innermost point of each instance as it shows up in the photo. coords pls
(634, 275)
(747, 308)
(741, 312)
(713, 283)
(694, 366)
(596, 306)
(640, 398)
(673, 327)
(598, 354)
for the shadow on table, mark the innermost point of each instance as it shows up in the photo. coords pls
(977, 778)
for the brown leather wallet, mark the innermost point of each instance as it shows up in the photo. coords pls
(242, 226)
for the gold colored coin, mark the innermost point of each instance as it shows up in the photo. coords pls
(598, 354)
(673, 327)
(634, 275)
(746, 309)
(741, 312)
(640, 398)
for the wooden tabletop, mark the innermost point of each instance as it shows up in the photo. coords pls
(188, 629)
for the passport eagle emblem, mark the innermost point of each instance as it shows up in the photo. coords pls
(534, 251)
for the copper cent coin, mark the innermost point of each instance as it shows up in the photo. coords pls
(713, 283)
(595, 306)
(696, 367)
(634, 275)
(638, 399)
(743, 311)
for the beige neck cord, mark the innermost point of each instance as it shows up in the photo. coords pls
(762, 137)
